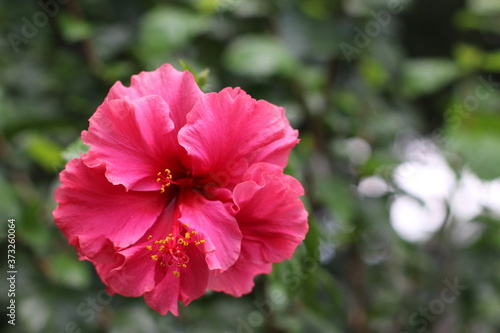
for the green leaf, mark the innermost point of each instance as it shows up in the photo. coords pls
(427, 75)
(259, 56)
(312, 238)
(74, 29)
(67, 270)
(484, 7)
(468, 57)
(201, 78)
(374, 72)
(43, 151)
(166, 29)
(492, 62)
(214, 6)
(317, 9)
(477, 141)
(75, 150)
(207, 6)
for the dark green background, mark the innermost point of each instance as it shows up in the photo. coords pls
(381, 71)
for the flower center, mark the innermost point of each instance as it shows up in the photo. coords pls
(165, 179)
(171, 251)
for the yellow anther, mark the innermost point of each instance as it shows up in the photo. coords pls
(164, 179)
(172, 251)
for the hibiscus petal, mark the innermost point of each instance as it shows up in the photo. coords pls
(135, 139)
(194, 278)
(133, 272)
(91, 210)
(278, 151)
(257, 171)
(271, 217)
(239, 278)
(164, 297)
(215, 225)
(133, 277)
(190, 284)
(224, 128)
(178, 89)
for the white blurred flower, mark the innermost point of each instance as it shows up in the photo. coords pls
(430, 186)
(415, 221)
(358, 150)
(373, 186)
(429, 178)
(465, 203)
(490, 198)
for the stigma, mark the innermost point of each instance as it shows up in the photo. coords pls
(171, 252)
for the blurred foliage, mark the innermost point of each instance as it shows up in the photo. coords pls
(357, 77)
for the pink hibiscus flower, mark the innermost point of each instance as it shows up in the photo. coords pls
(182, 191)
